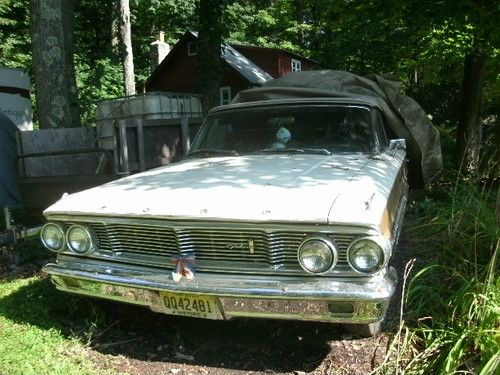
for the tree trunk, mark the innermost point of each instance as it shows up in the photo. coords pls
(126, 48)
(115, 27)
(469, 131)
(301, 17)
(53, 64)
(209, 51)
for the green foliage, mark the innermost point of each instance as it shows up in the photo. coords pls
(149, 17)
(454, 300)
(97, 82)
(267, 23)
(15, 40)
(98, 68)
(422, 42)
(363, 37)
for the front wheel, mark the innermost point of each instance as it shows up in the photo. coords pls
(364, 330)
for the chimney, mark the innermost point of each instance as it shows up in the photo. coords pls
(158, 50)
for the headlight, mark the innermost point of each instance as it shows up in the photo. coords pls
(52, 236)
(317, 254)
(79, 239)
(366, 255)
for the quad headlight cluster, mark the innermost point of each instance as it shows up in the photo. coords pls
(367, 255)
(319, 254)
(77, 238)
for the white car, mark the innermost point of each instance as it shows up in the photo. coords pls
(287, 209)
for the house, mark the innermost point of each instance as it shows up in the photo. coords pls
(244, 67)
(275, 61)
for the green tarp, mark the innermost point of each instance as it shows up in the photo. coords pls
(403, 117)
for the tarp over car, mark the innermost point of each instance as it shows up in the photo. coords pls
(9, 194)
(403, 116)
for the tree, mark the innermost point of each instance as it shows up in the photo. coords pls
(209, 51)
(173, 17)
(465, 32)
(269, 23)
(53, 64)
(126, 48)
(481, 16)
(15, 40)
(469, 131)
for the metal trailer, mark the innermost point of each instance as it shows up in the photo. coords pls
(129, 146)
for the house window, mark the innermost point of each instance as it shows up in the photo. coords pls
(192, 48)
(296, 65)
(225, 95)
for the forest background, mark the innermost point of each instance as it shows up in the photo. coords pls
(445, 52)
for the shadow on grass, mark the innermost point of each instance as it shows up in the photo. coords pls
(113, 328)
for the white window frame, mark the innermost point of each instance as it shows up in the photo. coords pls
(224, 90)
(192, 48)
(296, 65)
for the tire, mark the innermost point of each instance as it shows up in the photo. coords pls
(364, 330)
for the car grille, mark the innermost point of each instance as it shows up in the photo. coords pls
(214, 248)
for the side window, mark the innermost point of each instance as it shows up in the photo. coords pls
(354, 131)
(380, 131)
(296, 65)
(225, 95)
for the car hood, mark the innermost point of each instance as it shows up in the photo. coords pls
(282, 188)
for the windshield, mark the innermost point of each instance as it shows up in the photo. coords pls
(302, 129)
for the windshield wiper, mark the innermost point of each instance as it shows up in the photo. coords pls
(291, 150)
(207, 151)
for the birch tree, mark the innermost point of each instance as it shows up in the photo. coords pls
(126, 48)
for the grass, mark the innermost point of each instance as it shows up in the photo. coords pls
(34, 336)
(453, 301)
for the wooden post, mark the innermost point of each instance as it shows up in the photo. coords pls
(21, 166)
(122, 132)
(8, 218)
(185, 135)
(140, 145)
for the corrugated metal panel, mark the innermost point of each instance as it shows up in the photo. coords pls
(244, 66)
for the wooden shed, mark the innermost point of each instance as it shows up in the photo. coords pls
(244, 67)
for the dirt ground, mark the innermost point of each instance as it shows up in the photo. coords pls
(142, 342)
(174, 345)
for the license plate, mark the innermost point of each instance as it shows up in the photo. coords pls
(198, 306)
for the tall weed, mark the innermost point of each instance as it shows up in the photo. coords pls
(453, 302)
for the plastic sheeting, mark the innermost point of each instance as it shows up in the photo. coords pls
(404, 118)
(9, 194)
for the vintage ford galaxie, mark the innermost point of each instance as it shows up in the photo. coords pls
(287, 209)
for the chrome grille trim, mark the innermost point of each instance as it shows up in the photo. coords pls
(217, 248)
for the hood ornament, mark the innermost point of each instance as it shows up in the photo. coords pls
(183, 266)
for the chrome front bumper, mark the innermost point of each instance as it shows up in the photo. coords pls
(297, 298)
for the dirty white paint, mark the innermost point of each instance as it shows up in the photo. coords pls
(281, 188)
